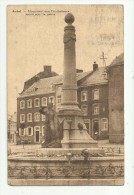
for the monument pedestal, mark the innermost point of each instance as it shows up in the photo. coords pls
(75, 134)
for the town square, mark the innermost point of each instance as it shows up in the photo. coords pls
(68, 128)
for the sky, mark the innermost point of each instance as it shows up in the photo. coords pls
(35, 38)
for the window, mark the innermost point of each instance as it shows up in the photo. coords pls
(104, 124)
(51, 99)
(105, 74)
(59, 99)
(29, 103)
(37, 102)
(30, 130)
(84, 109)
(22, 118)
(59, 88)
(44, 101)
(96, 109)
(95, 94)
(21, 131)
(37, 116)
(83, 95)
(29, 117)
(22, 104)
(43, 117)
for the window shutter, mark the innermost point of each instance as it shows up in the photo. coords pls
(26, 131)
(31, 130)
(19, 131)
(42, 131)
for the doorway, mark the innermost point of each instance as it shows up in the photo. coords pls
(95, 132)
(37, 135)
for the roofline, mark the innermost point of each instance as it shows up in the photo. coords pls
(88, 85)
(34, 95)
(110, 66)
(76, 77)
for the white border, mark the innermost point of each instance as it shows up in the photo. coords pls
(128, 188)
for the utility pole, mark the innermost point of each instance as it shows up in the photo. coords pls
(104, 59)
(104, 65)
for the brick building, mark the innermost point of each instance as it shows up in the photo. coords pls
(92, 99)
(29, 121)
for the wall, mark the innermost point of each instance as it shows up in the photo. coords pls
(116, 104)
(32, 110)
(103, 106)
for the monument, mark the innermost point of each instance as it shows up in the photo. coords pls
(79, 161)
(74, 131)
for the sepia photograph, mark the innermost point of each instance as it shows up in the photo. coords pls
(65, 93)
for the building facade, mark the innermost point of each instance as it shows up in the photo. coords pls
(12, 128)
(95, 93)
(93, 101)
(116, 100)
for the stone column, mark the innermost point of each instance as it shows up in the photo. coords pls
(74, 132)
(69, 99)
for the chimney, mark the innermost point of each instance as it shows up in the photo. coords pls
(79, 70)
(95, 66)
(47, 70)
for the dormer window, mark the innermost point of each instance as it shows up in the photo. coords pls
(83, 95)
(105, 74)
(37, 102)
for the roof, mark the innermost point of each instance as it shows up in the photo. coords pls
(46, 85)
(42, 86)
(97, 77)
(119, 60)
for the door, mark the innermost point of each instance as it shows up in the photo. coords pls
(37, 136)
(96, 129)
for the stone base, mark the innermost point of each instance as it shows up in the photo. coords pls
(79, 144)
(64, 151)
(69, 111)
(74, 130)
(66, 182)
(57, 170)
